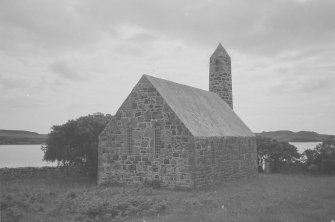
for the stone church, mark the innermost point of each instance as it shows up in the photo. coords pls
(181, 136)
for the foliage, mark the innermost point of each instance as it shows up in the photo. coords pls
(322, 158)
(279, 154)
(75, 143)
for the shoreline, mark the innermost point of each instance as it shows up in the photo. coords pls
(19, 144)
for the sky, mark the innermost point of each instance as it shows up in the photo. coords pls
(63, 59)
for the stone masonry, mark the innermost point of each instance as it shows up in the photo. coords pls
(219, 159)
(143, 110)
(220, 80)
(180, 136)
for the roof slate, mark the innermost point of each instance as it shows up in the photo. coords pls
(204, 113)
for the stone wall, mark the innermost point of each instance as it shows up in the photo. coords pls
(142, 111)
(220, 80)
(220, 159)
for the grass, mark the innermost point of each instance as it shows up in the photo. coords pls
(267, 197)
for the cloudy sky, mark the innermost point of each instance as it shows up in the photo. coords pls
(60, 60)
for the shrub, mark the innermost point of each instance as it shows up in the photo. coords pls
(75, 143)
(278, 154)
(322, 158)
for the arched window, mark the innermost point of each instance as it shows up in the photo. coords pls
(157, 141)
(129, 140)
(212, 153)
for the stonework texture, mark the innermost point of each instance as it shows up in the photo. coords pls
(218, 159)
(183, 161)
(178, 136)
(220, 80)
(143, 110)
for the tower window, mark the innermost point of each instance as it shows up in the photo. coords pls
(157, 139)
(129, 140)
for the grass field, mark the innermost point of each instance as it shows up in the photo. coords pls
(266, 197)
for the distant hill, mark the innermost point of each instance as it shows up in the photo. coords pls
(289, 136)
(8, 137)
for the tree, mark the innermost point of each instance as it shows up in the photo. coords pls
(277, 153)
(322, 156)
(75, 143)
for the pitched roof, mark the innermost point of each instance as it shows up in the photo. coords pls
(204, 113)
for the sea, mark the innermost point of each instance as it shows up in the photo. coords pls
(302, 146)
(12, 156)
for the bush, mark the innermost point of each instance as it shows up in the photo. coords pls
(278, 154)
(75, 143)
(296, 167)
(322, 158)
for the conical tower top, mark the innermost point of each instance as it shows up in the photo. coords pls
(220, 81)
(220, 52)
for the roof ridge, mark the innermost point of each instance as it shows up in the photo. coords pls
(202, 112)
(179, 83)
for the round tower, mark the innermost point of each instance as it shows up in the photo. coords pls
(220, 81)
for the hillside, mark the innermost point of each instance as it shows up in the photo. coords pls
(8, 137)
(289, 136)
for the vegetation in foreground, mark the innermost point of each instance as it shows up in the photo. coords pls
(267, 197)
(283, 157)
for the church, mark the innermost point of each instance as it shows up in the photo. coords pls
(178, 135)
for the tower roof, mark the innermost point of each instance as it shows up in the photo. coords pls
(220, 51)
(204, 113)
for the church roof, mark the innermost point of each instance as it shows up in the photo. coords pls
(204, 113)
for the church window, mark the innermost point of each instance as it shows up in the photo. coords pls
(157, 139)
(129, 140)
(213, 152)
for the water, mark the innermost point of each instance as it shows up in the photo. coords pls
(302, 146)
(22, 156)
(32, 155)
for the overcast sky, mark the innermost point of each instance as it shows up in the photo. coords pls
(60, 60)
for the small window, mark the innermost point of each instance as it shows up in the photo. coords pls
(157, 139)
(213, 152)
(129, 140)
